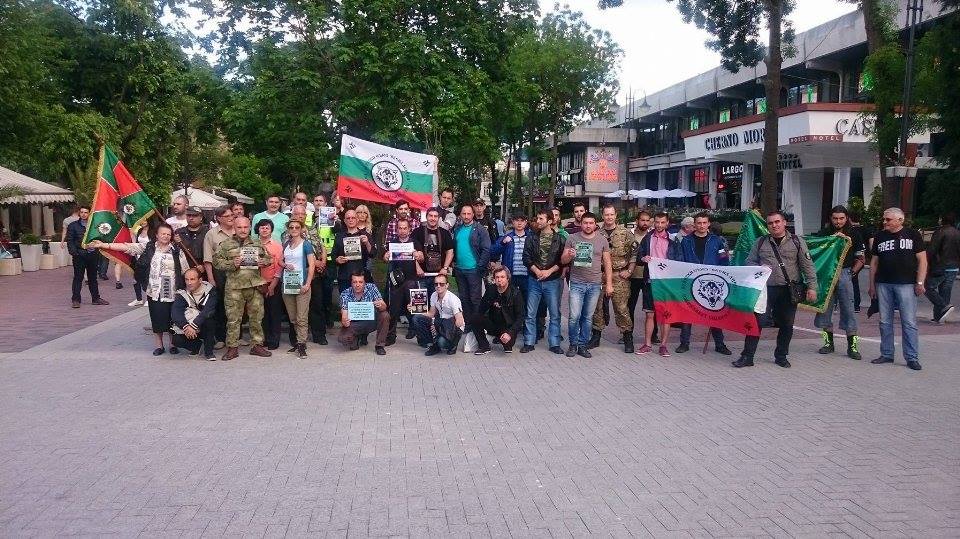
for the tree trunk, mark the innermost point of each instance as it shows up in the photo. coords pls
(771, 84)
(519, 168)
(506, 183)
(553, 169)
(886, 156)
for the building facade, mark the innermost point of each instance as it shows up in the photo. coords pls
(706, 134)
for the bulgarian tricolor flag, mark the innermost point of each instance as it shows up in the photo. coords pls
(377, 173)
(723, 297)
(119, 205)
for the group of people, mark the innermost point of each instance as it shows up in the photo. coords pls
(202, 282)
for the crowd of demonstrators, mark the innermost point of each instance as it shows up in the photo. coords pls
(204, 282)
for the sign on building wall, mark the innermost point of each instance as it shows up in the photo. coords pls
(602, 170)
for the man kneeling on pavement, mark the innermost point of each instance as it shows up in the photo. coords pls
(193, 311)
(502, 313)
(353, 333)
(441, 327)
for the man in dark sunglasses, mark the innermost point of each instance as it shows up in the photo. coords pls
(441, 327)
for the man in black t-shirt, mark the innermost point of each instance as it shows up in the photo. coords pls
(897, 273)
(843, 292)
(437, 248)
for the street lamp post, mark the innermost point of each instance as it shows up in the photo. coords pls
(906, 174)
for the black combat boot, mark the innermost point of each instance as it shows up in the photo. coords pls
(627, 342)
(827, 347)
(594, 340)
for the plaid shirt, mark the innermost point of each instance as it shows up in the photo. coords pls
(391, 235)
(370, 293)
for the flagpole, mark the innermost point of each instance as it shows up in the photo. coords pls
(706, 341)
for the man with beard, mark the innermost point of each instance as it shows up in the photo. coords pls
(541, 255)
(843, 292)
(437, 256)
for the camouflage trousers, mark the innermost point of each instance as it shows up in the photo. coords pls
(237, 300)
(620, 298)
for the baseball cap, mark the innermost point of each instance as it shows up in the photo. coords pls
(194, 210)
(479, 202)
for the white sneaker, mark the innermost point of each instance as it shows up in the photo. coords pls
(135, 303)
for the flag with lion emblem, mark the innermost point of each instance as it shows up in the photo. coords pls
(723, 297)
(119, 206)
(377, 173)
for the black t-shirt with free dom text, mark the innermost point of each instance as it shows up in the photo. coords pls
(896, 252)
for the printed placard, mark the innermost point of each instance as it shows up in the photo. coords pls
(584, 256)
(352, 248)
(249, 257)
(419, 301)
(292, 281)
(358, 311)
(326, 216)
(401, 252)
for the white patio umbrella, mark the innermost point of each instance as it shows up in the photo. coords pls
(616, 194)
(645, 193)
(680, 193)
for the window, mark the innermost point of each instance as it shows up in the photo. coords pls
(700, 180)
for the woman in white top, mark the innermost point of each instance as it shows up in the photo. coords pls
(160, 264)
(299, 261)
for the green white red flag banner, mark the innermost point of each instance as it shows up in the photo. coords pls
(119, 205)
(723, 297)
(378, 173)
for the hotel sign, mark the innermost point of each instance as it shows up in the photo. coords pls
(602, 169)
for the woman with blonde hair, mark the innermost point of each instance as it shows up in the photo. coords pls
(363, 218)
(298, 256)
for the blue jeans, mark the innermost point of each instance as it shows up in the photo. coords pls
(842, 295)
(903, 298)
(469, 286)
(550, 292)
(448, 335)
(583, 301)
(939, 289)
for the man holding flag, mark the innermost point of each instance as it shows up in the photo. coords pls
(703, 247)
(793, 279)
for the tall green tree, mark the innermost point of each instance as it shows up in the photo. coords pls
(736, 26)
(571, 71)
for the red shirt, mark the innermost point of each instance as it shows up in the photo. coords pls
(274, 249)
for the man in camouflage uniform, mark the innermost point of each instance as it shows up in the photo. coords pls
(623, 254)
(241, 290)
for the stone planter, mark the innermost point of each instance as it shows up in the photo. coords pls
(11, 266)
(30, 254)
(48, 262)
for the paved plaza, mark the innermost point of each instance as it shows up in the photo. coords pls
(100, 437)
